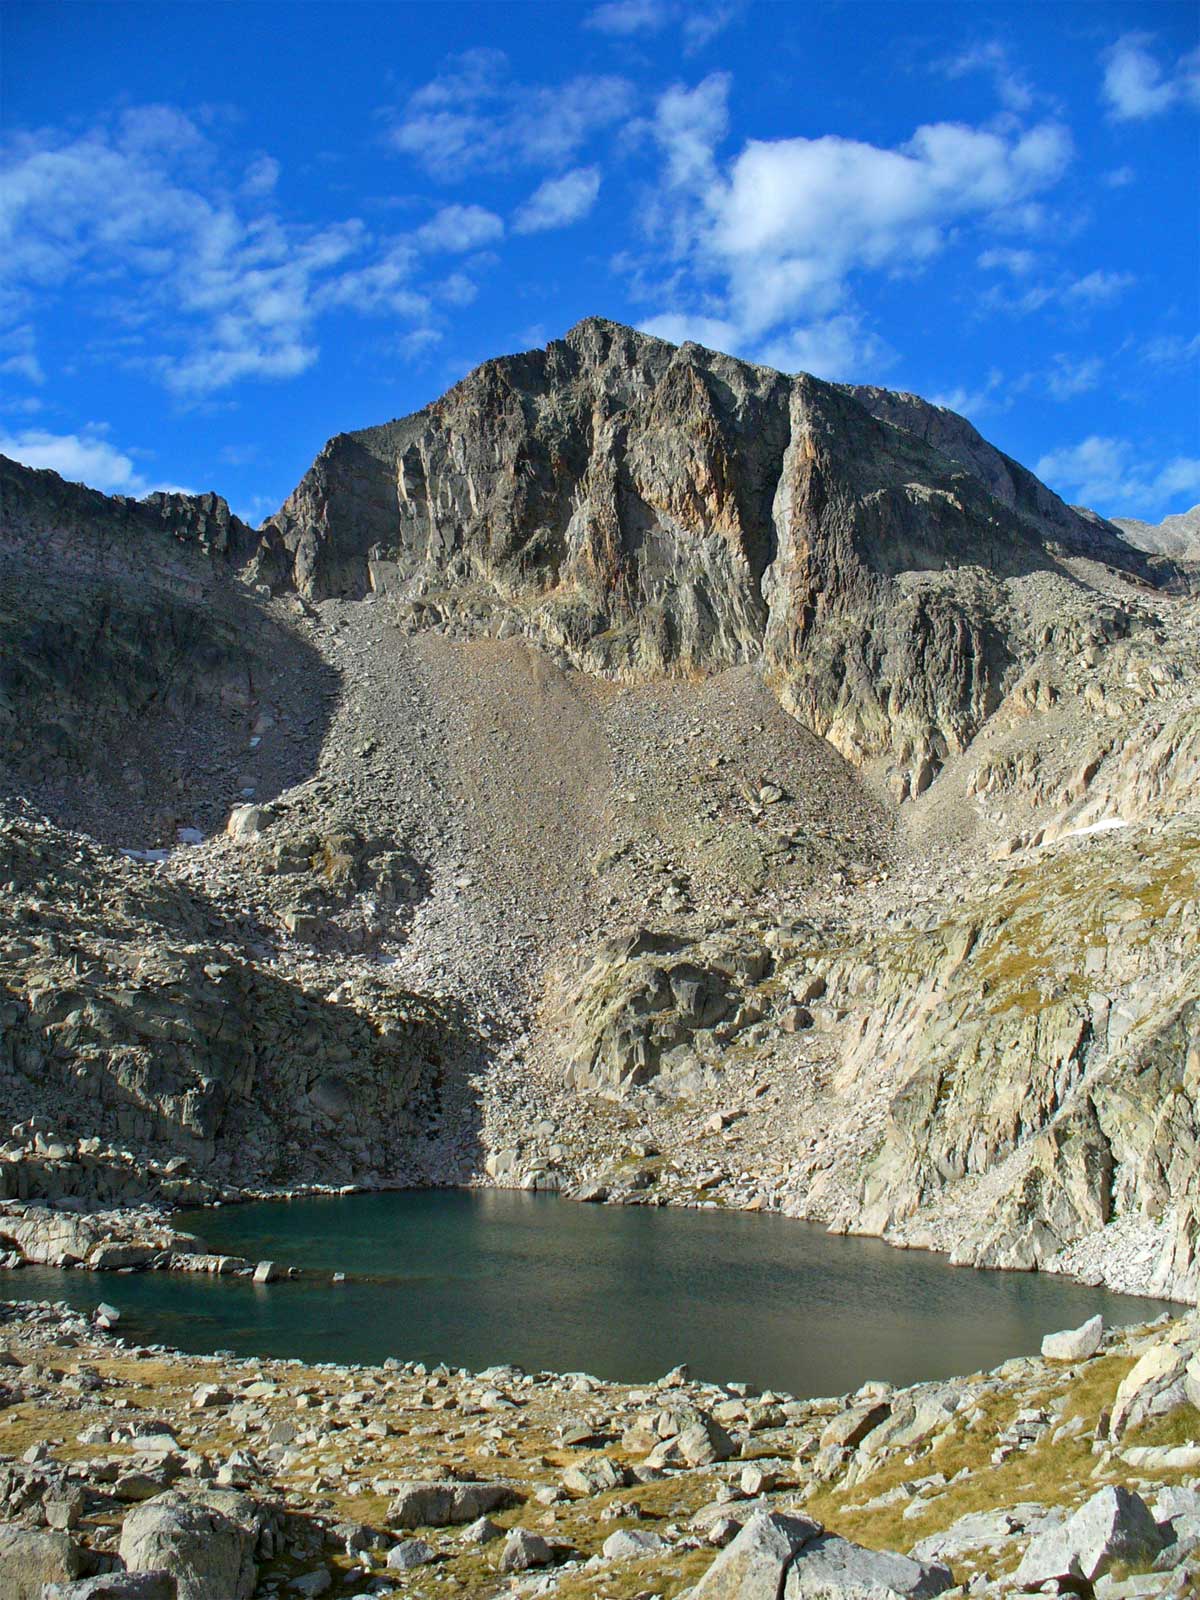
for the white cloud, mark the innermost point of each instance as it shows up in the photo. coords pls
(833, 347)
(698, 24)
(761, 250)
(457, 289)
(790, 221)
(1118, 178)
(261, 176)
(688, 125)
(1098, 288)
(1019, 262)
(18, 354)
(1076, 295)
(680, 327)
(1137, 85)
(85, 457)
(1107, 474)
(559, 201)
(1011, 86)
(625, 17)
(455, 229)
(476, 117)
(1171, 350)
(1068, 378)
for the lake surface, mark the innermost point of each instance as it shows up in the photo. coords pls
(477, 1278)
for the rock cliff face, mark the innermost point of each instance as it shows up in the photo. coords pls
(134, 668)
(647, 508)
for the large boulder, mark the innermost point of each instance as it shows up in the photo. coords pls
(1074, 1344)
(436, 1504)
(116, 1586)
(207, 1542)
(778, 1556)
(30, 1560)
(1114, 1525)
(1157, 1384)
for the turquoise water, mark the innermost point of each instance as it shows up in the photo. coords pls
(480, 1277)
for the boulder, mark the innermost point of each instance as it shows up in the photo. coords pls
(523, 1549)
(849, 1428)
(209, 1551)
(1157, 1383)
(437, 1504)
(629, 1544)
(410, 1553)
(482, 1531)
(248, 822)
(693, 1439)
(115, 1586)
(1074, 1344)
(594, 1476)
(779, 1556)
(1114, 1525)
(30, 1560)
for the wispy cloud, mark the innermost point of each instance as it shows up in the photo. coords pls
(1112, 476)
(1012, 86)
(209, 281)
(625, 17)
(1070, 376)
(987, 396)
(86, 457)
(1019, 262)
(18, 354)
(456, 229)
(1138, 85)
(558, 202)
(1078, 295)
(476, 117)
(1171, 350)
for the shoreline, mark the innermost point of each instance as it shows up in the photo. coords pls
(117, 1246)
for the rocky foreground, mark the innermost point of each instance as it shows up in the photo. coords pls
(131, 1473)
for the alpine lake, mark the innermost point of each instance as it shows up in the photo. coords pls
(477, 1278)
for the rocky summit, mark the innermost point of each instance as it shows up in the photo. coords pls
(653, 778)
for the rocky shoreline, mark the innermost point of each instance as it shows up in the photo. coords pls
(141, 1473)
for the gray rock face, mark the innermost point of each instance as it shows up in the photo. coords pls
(1178, 535)
(208, 1550)
(1005, 479)
(646, 508)
(782, 1557)
(157, 1058)
(437, 1504)
(30, 1560)
(1115, 1525)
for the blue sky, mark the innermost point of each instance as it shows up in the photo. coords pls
(229, 231)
